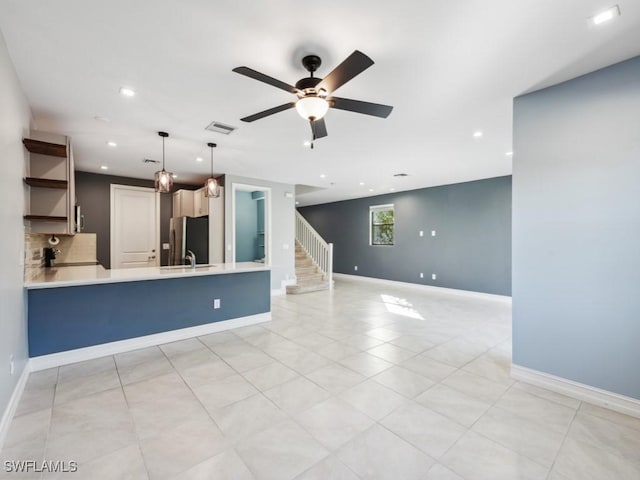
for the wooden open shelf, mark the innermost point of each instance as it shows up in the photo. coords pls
(46, 183)
(45, 148)
(44, 218)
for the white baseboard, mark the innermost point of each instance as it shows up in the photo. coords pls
(283, 287)
(453, 291)
(10, 411)
(88, 353)
(603, 398)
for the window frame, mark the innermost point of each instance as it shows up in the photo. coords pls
(381, 208)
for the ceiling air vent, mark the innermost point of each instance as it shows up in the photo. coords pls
(400, 174)
(149, 160)
(220, 128)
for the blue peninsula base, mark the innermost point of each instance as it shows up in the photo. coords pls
(72, 317)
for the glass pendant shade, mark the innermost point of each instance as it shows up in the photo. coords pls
(163, 181)
(211, 187)
(312, 107)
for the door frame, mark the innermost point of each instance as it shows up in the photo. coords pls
(267, 217)
(112, 218)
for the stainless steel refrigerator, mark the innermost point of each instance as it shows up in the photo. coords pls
(187, 233)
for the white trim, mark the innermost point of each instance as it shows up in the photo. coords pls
(580, 391)
(88, 353)
(432, 288)
(112, 220)
(10, 411)
(283, 287)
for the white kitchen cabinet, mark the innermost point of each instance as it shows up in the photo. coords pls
(200, 203)
(183, 203)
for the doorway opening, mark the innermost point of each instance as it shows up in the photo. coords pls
(251, 223)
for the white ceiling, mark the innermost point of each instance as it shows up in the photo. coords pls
(448, 67)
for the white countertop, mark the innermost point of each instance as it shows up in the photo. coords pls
(95, 274)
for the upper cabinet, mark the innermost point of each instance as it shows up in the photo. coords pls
(50, 183)
(200, 203)
(183, 203)
(190, 203)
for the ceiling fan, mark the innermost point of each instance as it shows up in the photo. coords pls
(315, 94)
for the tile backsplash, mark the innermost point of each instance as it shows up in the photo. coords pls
(73, 248)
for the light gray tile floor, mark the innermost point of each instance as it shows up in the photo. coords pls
(366, 382)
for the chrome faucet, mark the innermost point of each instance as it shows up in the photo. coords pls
(191, 257)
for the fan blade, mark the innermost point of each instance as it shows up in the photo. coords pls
(375, 109)
(355, 64)
(318, 128)
(261, 77)
(271, 111)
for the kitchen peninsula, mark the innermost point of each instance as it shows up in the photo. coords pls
(88, 311)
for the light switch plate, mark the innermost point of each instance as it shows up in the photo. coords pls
(165, 246)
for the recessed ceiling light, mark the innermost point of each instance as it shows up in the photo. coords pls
(322, 175)
(606, 15)
(371, 189)
(112, 144)
(127, 92)
(174, 176)
(392, 189)
(306, 143)
(477, 134)
(361, 184)
(508, 154)
(400, 174)
(198, 159)
(297, 203)
(104, 167)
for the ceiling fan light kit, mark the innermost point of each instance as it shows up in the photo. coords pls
(313, 93)
(312, 108)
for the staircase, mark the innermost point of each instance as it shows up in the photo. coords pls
(314, 260)
(309, 278)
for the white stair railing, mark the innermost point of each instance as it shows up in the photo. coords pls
(314, 245)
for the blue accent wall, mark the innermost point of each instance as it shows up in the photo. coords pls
(471, 249)
(576, 225)
(67, 318)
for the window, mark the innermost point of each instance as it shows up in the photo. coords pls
(381, 222)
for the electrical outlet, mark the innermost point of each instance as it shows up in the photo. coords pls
(12, 366)
(421, 275)
(165, 246)
(433, 233)
(433, 276)
(355, 268)
(216, 303)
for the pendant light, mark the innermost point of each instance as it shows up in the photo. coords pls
(163, 179)
(211, 187)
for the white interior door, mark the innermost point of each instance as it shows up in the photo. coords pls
(135, 227)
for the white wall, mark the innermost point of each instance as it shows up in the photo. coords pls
(14, 124)
(282, 226)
